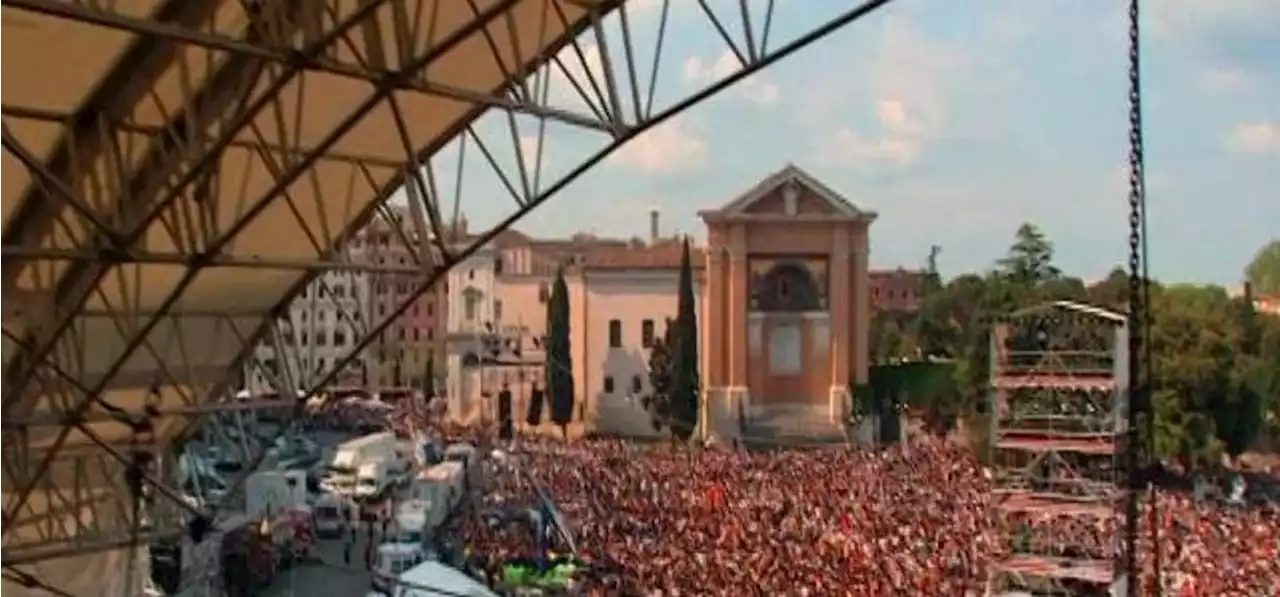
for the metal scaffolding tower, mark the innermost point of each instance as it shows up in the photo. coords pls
(1059, 402)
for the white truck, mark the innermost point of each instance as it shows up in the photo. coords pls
(443, 484)
(415, 519)
(393, 560)
(332, 514)
(344, 468)
(269, 493)
(419, 580)
(277, 500)
(374, 479)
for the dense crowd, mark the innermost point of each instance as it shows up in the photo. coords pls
(917, 521)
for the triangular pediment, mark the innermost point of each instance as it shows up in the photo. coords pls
(791, 192)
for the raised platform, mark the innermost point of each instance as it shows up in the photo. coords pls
(1017, 381)
(1098, 572)
(1050, 441)
(786, 424)
(1015, 502)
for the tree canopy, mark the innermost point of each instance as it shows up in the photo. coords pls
(1216, 363)
(1264, 271)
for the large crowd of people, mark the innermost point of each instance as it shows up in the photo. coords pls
(906, 521)
(921, 519)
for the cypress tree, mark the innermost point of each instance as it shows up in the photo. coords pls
(685, 390)
(560, 364)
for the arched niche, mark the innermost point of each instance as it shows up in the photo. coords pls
(787, 286)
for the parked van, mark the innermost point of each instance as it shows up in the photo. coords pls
(443, 483)
(348, 458)
(332, 515)
(393, 560)
(373, 480)
(416, 519)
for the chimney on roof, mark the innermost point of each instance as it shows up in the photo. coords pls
(654, 230)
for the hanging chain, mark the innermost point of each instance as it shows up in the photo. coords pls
(1139, 423)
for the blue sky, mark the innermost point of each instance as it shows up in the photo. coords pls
(956, 121)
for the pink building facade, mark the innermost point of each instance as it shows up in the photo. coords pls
(622, 292)
(398, 357)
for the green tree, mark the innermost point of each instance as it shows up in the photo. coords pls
(891, 337)
(560, 383)
(1030, 259)
(661, 379)
(1111, 292)
(1215, 379)
(685, 384)
(1264, 271)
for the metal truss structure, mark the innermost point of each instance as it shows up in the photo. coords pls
(1059, 420)
(186, 169)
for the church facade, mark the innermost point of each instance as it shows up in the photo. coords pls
(786, 302)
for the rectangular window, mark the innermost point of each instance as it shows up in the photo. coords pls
(608, 384)
(615, 333)
(497, 310)
(646, 333)
(497, 266)
(471, 303)
(637, 384)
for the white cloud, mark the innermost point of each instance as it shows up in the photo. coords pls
(847, 147)
(635, 6)
(1226, 79)
(901, 139)
(579, 70)
(1194, 18)
(755, 88)
(1255, 137)
(665, 148)
(914, 83)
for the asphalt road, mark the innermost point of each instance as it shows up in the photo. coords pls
(329, 576)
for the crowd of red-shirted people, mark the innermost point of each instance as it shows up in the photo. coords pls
(903, 521)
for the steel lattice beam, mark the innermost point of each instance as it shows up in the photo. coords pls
(181, 187)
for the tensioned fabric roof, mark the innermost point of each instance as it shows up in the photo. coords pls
(174, 170)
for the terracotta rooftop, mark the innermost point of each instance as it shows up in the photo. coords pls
(665, 255)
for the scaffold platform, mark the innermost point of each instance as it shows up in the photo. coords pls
(1048, 381)
(1052, 441)
(1020, 502)
(1099, 572)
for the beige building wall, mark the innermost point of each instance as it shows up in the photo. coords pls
(611, 380)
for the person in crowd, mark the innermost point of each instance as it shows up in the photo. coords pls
(922, 521)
